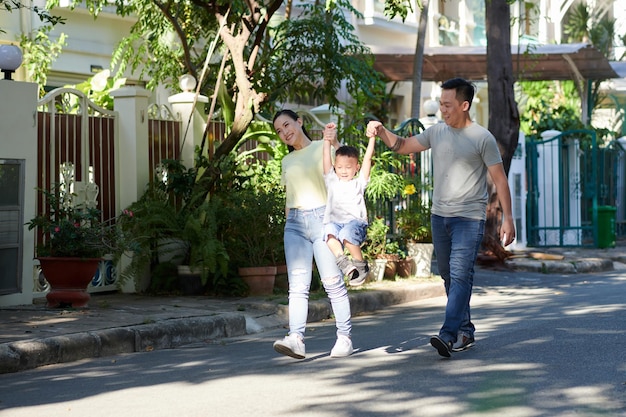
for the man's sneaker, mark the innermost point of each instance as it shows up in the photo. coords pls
(443, 348)
(343, 262)
(462, 342)
(291, 345)
(360, 274)
(342, 348)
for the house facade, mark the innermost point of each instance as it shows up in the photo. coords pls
(90, 42)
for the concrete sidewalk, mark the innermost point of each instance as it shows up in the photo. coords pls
(34, 335)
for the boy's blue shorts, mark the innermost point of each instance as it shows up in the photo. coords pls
(354, 231)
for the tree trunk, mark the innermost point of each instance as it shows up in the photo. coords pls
(418, 61)
(503, 112)
(288, 6)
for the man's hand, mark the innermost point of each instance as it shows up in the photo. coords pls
(373, 128)
(330, 132)
(507, 232)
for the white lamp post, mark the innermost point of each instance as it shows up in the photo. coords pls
(10, 60)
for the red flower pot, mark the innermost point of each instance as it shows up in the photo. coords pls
(68, 279)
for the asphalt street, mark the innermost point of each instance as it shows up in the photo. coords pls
(547, 345)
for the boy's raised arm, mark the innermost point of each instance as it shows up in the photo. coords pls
(366, 166)
(330, 137)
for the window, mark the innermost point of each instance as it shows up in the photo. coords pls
(517, 201)
(11, 224)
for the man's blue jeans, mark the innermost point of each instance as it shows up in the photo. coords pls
(456, 241)
(304, 232)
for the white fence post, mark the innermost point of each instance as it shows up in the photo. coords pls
(517, 184)
(132, 174)
(193, 119)
(131, 152)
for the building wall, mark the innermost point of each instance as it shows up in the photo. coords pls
(19, 141)
(89, 42)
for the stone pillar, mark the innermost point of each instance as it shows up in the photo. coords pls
(133, 171)
(18, 118)
(192, 117)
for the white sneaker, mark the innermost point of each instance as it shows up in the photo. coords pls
(342, 348)
(462, 343)
(291, 345)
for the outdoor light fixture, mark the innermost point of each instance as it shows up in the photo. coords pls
(431, 107)
(10, 60)
(187, 83)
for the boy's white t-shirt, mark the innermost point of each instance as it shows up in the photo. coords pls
(346, 200)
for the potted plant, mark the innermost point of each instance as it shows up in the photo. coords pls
(157, 225)
(177, 235)
(397, 261)
(72, 241)
(414, 228)
(392, 254)
(206, 256)
(375, 247)
(254, 236)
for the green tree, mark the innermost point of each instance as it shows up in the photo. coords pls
(586, 24)
(265, 58)
(43, 13)
(39, 54)
(549, 105)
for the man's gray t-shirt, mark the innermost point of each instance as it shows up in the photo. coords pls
(460, 161)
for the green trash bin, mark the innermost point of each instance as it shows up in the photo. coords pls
(606, 226)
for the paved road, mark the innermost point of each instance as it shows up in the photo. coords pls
(547, 345)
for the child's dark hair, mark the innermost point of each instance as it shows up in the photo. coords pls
(294, 116)
(349, 151)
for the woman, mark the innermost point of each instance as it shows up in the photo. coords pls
(302, 174)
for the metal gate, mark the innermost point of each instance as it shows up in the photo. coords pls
(76, 148)
(612, 182)
(569, 177)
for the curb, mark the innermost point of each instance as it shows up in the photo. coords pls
(584, 265)
(30, 354)
(168, 334)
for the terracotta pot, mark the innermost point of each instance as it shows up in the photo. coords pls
(390, 269)
(260, 279)
(404, 267)
(68, 279)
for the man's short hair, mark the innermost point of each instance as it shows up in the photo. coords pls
(465, 90)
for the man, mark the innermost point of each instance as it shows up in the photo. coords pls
(463, 152)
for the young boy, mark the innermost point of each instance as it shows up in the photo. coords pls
(345, 219)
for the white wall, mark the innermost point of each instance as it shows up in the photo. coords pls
(18, 101)
(89, 42)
